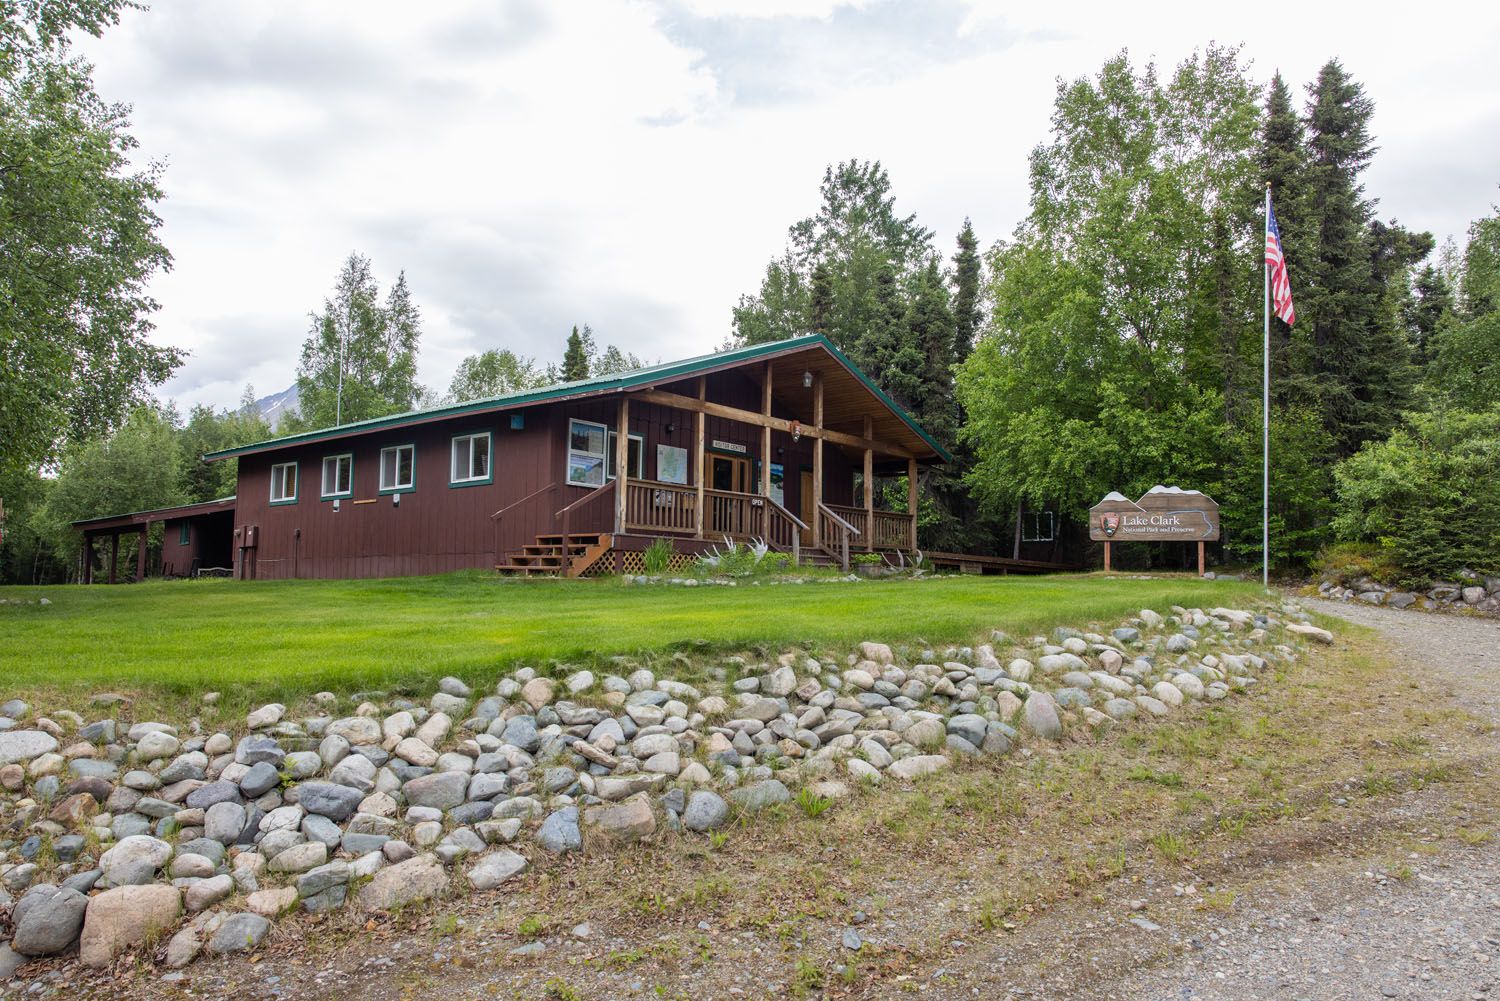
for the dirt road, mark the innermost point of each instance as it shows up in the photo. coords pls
(1420, 924)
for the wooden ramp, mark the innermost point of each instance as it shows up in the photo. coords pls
(967, 563)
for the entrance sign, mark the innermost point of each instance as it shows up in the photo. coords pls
(1163, 514)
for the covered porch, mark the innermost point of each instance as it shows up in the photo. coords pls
(195, 536)
(809, 405)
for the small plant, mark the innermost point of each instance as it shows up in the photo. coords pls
(811, 803)
(867, 559)
(658, 557)
(808, 977)
(717, 839)
(1170, 846)
(1472, 837)
(446, 925)
(558, 990)
(531, 926)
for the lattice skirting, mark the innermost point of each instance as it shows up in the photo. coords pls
(635, 563)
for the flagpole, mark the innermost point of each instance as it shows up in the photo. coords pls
(1265, 404)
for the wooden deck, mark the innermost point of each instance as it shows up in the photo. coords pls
(968, 563)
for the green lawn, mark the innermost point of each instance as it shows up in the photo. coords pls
(255, 640)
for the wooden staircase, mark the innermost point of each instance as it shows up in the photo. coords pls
(557, 555)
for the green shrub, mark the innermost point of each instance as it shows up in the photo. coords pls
(1347, 562)
(658, 557)
(1428, 496)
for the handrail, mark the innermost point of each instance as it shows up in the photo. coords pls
(523, 500)
(597, 491)
(830, 513)
(795, 520)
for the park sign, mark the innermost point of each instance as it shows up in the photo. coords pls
(1164, 514)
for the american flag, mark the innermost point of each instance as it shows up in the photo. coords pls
(1281, 284)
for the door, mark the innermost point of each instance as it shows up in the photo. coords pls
(729, 515)
(805, 506)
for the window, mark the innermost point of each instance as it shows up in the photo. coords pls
(588, 447)
(185, 534)
(471, 460)
(284, 483)
(1038, 526)
(398, 468)
(637, 457)
(338, 475)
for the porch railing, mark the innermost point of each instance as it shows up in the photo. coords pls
(837, 535)
(660, 507)
(890, 530)
(672, 508)
(521, 521)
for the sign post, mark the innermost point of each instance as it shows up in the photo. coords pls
(1163, 514)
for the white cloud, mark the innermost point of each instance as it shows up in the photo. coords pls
(533, 165)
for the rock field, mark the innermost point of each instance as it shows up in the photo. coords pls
(119, 834)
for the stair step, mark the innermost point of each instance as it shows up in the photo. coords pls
(526, 571)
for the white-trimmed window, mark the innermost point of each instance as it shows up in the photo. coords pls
(471, 459)
(588, 451)
(1039, 526)
(636, 461)
(284, 483)
(338, 475)
(398, 468)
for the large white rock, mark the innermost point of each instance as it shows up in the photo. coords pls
(23, 745)
(497, 867)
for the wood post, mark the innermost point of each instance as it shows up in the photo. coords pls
(1200, 557)
(86, 575)
(911, 498)
(765, 438)
(1106, 557)
(114, 554)
(817, 525)
(700, 440)
(622, 461)
(869, 478)
(140, 553)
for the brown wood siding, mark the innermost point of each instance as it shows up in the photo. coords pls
(437, 528)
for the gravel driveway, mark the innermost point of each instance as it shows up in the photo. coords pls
(1344, 928)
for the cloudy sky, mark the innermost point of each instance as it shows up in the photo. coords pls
(633, 165)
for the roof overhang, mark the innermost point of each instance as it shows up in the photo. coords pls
(891, 418)
(139, 519)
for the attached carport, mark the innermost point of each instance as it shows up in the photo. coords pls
(198, 535)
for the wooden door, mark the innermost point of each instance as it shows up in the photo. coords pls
(805, 506)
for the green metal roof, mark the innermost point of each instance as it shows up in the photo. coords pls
(623, 381)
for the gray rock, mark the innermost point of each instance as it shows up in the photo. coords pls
(316, 880)
(1040, 714)
(969, 726)
(239, 933)
(320, 828)
(705, 811)
(254, 749)
(47, 920)
(204, 797)
(327, 799)
(1127, 634)
(759, 795)
(302, 764)
(1178, 643)
(260, 779)
(403, 883)
(442, 790)
(454, 687)
(559, 832)
(495, 868)
(134, 860)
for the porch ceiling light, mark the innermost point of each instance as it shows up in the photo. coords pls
(807, 380)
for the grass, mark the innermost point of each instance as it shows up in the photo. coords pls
(262, 639)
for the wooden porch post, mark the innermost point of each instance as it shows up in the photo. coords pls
(86, 575)
(700, 438)
(911, 498)
(622, 462)
(114, 553)
(817, 525)
(765, 438)
(869, 478)
(140, 552)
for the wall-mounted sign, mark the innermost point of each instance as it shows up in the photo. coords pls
(1164, 514)
(671, 464)
(729, 446)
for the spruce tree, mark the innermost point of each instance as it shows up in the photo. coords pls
(1282, 163)
(575, 365)
(820, 309)
(930, 333)
(1431, 300)
(966, 277)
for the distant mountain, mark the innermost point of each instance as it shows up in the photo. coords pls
(272, 407)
